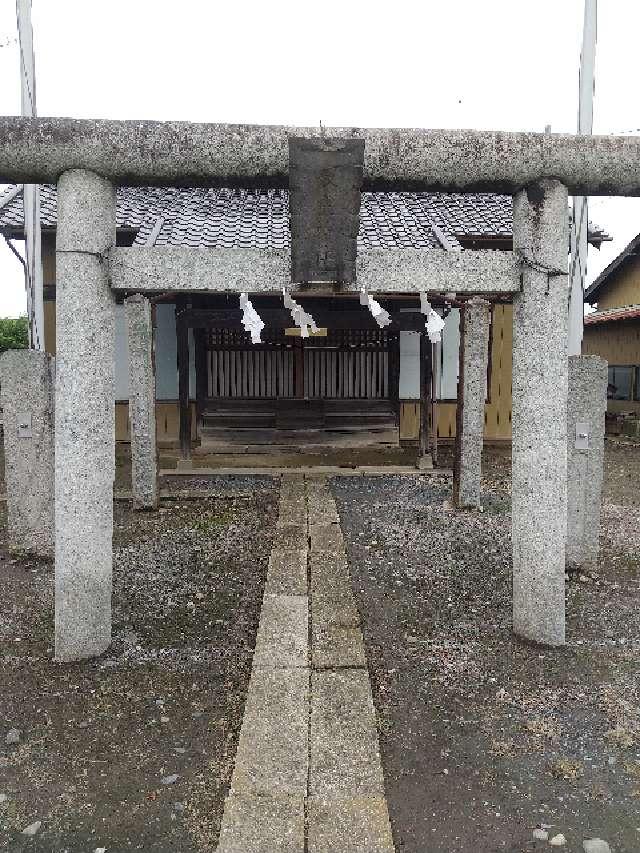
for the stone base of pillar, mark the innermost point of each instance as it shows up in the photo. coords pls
(28, 378)
(586, 407)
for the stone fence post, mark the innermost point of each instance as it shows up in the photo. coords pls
(27, 378)
(587, 404)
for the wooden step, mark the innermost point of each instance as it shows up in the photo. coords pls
(276, 440)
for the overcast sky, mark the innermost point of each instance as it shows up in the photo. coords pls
(495, 65)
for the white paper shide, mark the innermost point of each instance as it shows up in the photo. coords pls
(379, 314)
(251, 320)
(300, 317)
(435, 323)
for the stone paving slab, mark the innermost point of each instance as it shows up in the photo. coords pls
(322, 512)
(321, 505)
(272, 756)
(262, 824)
(336, 646)
(329, 574)
(349, 825)
(344, 754)
(328, 563)
(332, 609)
(317, 486)
(292, 489)
(287, 574)
(325, 537)
(292, 513)
(283, 639)
(289, 535)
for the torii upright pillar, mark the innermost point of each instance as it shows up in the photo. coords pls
(539, 420)
(85, 415)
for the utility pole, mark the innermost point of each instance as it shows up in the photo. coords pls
(579, 227)
(31, 192)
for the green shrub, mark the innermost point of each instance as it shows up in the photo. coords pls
(14, 333)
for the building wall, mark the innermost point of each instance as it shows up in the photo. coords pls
(167, 422)
(619, 343)
(623, 287)
(498, 407)
(497, 412)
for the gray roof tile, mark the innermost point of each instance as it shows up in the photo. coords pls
(259, 218)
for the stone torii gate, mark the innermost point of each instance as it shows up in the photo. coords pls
(88, 159)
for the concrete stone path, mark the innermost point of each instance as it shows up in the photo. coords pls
(308, 777)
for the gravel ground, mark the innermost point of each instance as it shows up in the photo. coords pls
(134, 751)
(484, 738)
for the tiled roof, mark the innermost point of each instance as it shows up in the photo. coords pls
(629, 312)
(259, 218)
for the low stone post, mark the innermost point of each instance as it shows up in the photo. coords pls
(27, 378)
(539, 419)
(587, 404)
(472, 393)
(142, 402)
(85, 415)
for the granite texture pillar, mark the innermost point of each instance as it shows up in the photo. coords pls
(142, 402)
(472, 393)
(27, 378)
(85, 415)
(587, 404)
(539, 419)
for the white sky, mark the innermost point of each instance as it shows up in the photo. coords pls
(495, 64)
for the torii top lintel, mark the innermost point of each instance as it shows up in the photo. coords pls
(137, 153)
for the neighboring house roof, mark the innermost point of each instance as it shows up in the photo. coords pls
(630, 312)
(259, 218)
(631, 250)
